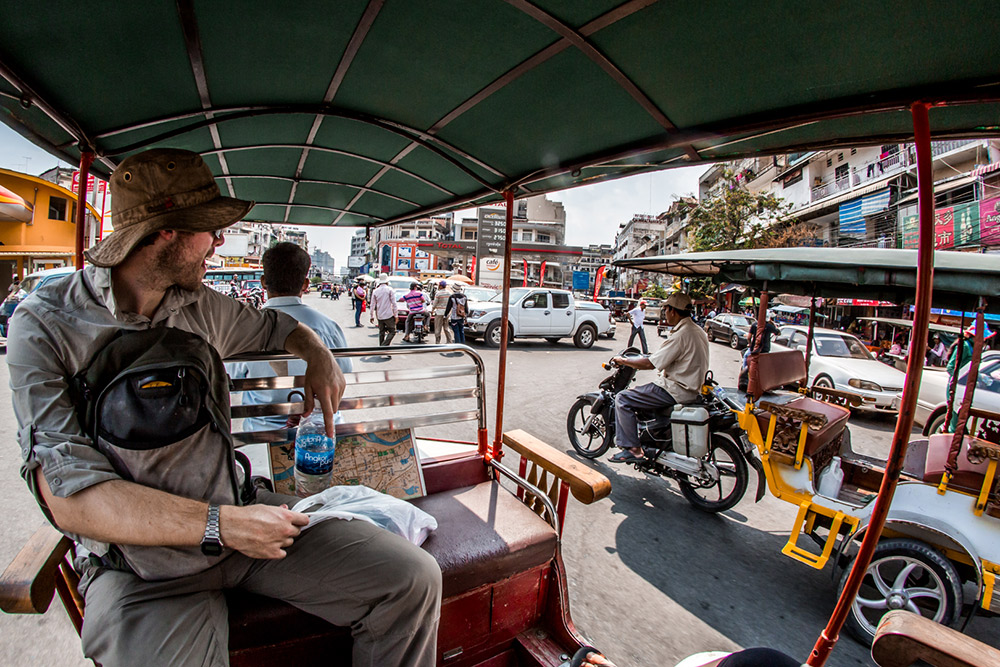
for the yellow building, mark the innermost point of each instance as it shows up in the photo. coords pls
(37, 229)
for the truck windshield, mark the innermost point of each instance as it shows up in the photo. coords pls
(515, 295)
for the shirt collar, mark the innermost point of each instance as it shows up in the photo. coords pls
(174, 299)
(277, 301)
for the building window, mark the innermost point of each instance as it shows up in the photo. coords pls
(840, 173)
(527, 235)
(792, 178)
(421, 234)
(544, 238)
(840, 157)
(469, 235)
(57, 208)
(829, 162)
(854, 151)
(405, 234)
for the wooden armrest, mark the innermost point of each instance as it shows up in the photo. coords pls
(28, 584)
(985, 415)
(587, 485)
(982, 449)
(815, 420)
(844, 399)
(904, 637)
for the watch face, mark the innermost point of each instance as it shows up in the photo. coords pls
(211, 548)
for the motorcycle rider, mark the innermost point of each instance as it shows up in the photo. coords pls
(416, 301)
(682, 362)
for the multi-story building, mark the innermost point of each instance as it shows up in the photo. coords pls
(37, 228)
(592, 258)
(357, 263)
(675, 232)
(323, 265)
(642, 236)
(299, 238)
(402, 249)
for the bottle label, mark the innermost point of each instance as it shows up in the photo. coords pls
(314, 454)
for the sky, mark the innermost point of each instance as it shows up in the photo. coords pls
(593, 212)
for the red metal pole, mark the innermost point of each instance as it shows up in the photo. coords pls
(914, 367)
(104, 209)
(497, 453)
(86, 159)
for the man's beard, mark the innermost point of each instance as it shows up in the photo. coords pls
(179, 267)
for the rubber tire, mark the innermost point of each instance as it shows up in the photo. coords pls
(719, 441)
(585, 337)
(494, 330)
(936, 423)
(929, 558)
(734, 341)
(553, 341)
(824, 382)
(574, 437)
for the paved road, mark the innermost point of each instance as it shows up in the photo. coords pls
(651, 580)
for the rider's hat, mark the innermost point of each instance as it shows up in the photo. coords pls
(163, 188)
(679, 301)
(987, 332)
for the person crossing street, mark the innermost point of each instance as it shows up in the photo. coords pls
(441, 324)
(637, 316)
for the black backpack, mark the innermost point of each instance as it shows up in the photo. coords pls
(156, 403)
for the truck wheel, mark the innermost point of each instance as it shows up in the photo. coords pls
(492, 337)
(904, 574)
(585, 336)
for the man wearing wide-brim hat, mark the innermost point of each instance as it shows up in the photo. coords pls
(158, 561)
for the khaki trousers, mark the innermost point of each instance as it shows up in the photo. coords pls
(442, 326)
(350, 573)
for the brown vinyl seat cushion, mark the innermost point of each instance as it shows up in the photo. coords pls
(484, 535)
(816, 440)
(969, 476)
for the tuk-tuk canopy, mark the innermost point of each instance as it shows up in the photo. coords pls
(869, 273)
(364, 112)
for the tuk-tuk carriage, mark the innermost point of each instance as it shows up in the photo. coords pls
(941, 543)
(367, 114)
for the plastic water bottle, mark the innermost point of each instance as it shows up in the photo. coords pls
(314, 452)
(831, 479)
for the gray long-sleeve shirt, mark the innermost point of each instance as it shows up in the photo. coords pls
(57, 331)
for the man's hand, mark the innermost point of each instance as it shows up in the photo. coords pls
(260, 531)
(324, 381)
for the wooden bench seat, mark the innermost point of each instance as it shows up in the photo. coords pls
(484, 535)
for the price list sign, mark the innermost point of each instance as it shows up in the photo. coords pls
(491, 236)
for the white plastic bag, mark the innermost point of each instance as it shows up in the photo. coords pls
(379, 509)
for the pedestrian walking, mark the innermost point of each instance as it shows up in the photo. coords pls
(638, 315)
(384, 310)
(456, 312)
(359, 302)
(441, 324)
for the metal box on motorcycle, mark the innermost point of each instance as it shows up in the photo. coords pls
(689, 426)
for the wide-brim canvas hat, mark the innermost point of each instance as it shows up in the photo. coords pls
(163, 188)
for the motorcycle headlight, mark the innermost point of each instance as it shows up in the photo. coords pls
(864, 384)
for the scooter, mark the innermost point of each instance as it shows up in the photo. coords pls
(700, 444)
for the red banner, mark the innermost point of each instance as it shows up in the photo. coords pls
(524, 281)
(541, 275)
(472, 270)
(597, 280)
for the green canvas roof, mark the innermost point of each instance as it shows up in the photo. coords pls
(363, 112)
(857, 273)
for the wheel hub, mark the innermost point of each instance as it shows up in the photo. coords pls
(897, 600)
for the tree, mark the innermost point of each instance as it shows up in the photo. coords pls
(655, 292)
(736, 219)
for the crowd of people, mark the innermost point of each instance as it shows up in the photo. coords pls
(443, 303)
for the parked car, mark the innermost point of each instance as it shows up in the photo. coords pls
(932, 399)
(537, 312)
(840, 360)
(31, 283)
(730, 327)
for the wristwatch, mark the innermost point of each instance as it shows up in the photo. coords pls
(211, 544)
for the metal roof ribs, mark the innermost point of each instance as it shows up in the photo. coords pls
(525, 66)
(192, 42)
(360, 32)
(335, 151)
(322, 182)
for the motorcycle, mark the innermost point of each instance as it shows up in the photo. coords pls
(700, 444)
(419, 329)
(252, 297)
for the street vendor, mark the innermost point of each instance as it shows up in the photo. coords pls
(155, 561)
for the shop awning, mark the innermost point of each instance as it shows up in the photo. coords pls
(940, 188)
(13, 208)
(985, 169)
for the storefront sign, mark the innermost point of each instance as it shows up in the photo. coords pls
(989, 221)
(863, 302)
(490, 238)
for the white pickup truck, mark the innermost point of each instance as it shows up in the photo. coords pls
(540, 313)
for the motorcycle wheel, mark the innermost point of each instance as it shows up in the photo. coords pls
(733, 478)
(596, 440)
